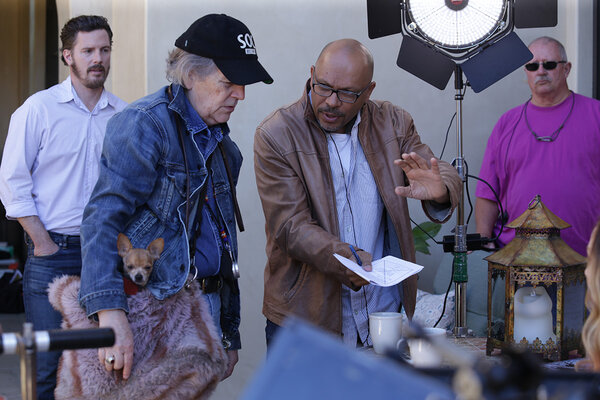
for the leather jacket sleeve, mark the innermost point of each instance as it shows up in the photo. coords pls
(287, 209)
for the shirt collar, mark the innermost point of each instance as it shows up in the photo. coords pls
(354, 130)
(195, 121)
(67, 93)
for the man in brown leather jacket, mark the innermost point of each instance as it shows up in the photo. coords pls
(327, 181)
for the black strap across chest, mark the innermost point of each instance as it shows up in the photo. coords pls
(193, 235)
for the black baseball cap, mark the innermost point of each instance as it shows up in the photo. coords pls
(229, 43)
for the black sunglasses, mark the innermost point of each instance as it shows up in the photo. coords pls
(548, 65)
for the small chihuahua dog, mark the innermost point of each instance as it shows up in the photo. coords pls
(138, 263)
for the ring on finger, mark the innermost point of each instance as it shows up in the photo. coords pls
(110, 360)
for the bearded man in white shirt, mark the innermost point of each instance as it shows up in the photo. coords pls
(50, 166)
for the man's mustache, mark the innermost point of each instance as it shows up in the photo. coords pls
(330, 110)
(541, 78)
(96, 68)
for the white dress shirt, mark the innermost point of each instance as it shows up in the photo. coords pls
(51, 156)
(360, 216)
(360, 213)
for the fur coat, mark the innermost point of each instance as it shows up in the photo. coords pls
(177, 353)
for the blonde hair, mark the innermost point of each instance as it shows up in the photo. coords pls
(591, 328)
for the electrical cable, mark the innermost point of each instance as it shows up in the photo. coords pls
(450, 124)
(366, 309)
(445, 297)
(424, 231)
(468, 193)
(447, 133)
(501, 209)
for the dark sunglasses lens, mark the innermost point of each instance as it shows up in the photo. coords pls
(532, 66)
(548, 65)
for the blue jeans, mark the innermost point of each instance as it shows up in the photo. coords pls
(39, 273)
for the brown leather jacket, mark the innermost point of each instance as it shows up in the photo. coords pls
(293, 176)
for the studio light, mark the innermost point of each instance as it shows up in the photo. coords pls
(475, 35)
(455, 27)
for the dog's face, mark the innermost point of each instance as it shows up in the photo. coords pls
(137, 263)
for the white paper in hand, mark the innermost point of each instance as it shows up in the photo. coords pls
(387, 271)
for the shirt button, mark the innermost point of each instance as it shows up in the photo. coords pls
(355, 312)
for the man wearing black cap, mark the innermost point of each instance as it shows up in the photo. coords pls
(169, 169)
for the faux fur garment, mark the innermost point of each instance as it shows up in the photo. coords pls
(177, 353)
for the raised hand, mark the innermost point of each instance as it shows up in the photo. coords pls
(425, 181)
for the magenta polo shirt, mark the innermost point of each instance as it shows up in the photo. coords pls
(565, 172)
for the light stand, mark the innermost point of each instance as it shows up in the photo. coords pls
(28, 344)
(460, 276)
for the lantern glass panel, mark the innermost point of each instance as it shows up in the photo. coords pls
(498, 304)
(534, 312)
(574, 310)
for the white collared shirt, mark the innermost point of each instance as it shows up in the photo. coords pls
(360, 217)
(51, 156)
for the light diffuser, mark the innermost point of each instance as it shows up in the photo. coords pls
(456, 24)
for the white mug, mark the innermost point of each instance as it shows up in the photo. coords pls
(422, 353)
(385, 329)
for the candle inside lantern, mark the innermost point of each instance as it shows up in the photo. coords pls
(533, 315)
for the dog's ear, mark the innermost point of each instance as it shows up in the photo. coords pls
(123, 245)
(156, 247)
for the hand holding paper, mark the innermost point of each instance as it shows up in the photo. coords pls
(387, 271)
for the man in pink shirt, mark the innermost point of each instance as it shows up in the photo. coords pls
(547, 146)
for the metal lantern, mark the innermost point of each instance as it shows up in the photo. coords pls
(544, 288)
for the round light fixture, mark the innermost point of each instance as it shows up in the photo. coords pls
(456, 24)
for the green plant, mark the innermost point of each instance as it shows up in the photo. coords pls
(421, 237)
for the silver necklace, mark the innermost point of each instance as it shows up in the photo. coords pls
(554, 135)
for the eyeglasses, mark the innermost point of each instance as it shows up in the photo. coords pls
(345, 96)
(548, 65)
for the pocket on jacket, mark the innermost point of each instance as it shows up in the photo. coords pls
(170, 266)
(173, 190)
(178, 180)
(143, 228)
(297, 283)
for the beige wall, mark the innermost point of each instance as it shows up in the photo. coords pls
(289, 36)
(22, 32)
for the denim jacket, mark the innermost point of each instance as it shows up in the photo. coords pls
(141, 191)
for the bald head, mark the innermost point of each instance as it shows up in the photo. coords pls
(341, 80)
(348, 50)
(547, 40)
